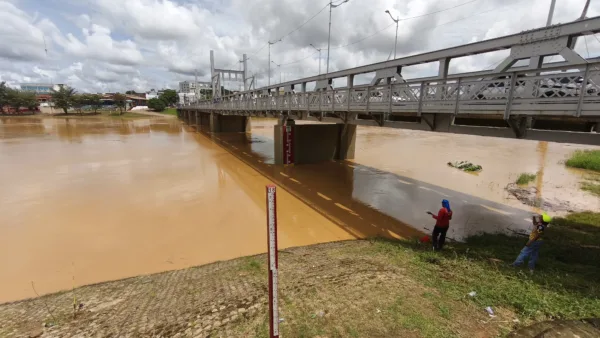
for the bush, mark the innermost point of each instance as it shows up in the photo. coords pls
(585, 159)
(525, 178)
(156, 104)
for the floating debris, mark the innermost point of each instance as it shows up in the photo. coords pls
(465, 166)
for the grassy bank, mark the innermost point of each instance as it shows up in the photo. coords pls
(372, 288)
(585, 159)
(170, 111)
(563, 286)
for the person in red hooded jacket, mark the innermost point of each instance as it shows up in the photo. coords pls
(442, 224)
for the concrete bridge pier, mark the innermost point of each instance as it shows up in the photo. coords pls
(313, 143)
(229, 123)
(215, 123)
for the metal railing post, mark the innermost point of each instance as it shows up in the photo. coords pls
(333, 91)
(457, 96)
(421, 95)
(390, 98)
(513, 83)
(583, 90)
(368, 99)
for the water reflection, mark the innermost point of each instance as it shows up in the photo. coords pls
(367, 202)
(107, 199)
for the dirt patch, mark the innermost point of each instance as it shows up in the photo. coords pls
(529, 196)
(342, 289)
(587, 328)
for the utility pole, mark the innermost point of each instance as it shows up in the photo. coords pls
(278, 66)
(550, 13)
(331, 6)
(585, 9)
(319, 50)
(396, 21)
(270, 43)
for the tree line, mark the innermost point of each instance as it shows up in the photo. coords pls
(16, 99)
(167, 98)
(66, 98)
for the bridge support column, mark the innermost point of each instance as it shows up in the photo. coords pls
(313, 143)
(229, 123)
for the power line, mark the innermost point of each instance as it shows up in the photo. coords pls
(442, 24)
(586, 46)
(293, 30)
(305, 22)
(296, 61)
(438, 11)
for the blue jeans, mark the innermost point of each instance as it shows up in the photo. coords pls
(532, 251)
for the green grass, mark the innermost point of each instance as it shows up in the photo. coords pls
(564, 285)
(252, 265)
(169, 111)
(594, 188)
(525, 178)
(585, 159)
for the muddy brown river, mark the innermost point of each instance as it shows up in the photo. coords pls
(84, 200)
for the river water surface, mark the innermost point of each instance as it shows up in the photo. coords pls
(84, 200)
(94, 200)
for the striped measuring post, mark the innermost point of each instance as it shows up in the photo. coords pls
(273, 260)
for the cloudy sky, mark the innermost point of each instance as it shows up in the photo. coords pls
(118, 45)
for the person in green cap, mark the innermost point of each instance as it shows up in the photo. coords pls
(532, 248)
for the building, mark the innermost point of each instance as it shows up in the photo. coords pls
(108, 101)
(40, 88)
(153, 94)
(186, 98)
(186, 86)
(192, 87)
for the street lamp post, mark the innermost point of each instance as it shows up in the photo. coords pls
(278, 66)
(396, 21)
(331, 6)
(319, 50)
(270, 43)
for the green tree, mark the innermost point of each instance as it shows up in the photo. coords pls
(95, 101)
(78, 101)
(169, 97)
(156, 104)
(63, 98)
(12, 98)
(17, 99)
(120, 100)
(130, 92)
(3, 95)
(28, 99)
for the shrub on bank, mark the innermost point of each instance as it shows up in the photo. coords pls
(525, 178)
(157, 104)
(585, 159)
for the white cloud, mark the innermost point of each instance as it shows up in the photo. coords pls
(99, 45)
(14, 44)
(122, 45)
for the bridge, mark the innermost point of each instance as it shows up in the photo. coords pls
(557, 101)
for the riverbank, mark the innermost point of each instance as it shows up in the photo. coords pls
(364, 288)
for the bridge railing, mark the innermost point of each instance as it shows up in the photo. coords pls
(557, 91)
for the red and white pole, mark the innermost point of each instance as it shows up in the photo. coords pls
(273, 260)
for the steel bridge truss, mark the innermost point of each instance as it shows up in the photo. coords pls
(563, 89)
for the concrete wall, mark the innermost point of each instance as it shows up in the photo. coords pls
(231, 124)
(314, 143)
